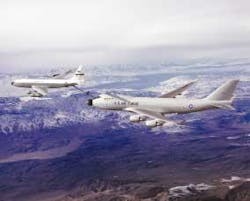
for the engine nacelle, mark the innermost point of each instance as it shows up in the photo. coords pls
(137, 118)
(154, 123)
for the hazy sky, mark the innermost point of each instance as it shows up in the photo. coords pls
(47, 33)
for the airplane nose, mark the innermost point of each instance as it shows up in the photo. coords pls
(90, 102)
(12, 83)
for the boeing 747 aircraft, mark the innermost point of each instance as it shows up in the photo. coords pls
(152, 109)
(39, 87)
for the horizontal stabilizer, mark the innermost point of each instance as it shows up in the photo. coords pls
(224, 106)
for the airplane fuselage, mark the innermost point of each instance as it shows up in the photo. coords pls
(160, 105)
(39, 86)
(152, 109)
(48, 83)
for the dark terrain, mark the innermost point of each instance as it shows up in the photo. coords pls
(130, 161)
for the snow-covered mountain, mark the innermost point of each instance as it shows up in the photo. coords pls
(68, 106)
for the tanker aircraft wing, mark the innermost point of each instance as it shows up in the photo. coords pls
(38, 91)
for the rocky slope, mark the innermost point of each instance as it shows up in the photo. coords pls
(149, 192)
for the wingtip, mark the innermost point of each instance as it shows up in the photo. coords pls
(194, 81)
(236, 81)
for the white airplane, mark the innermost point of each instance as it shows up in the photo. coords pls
(152, 109)
(39, 87)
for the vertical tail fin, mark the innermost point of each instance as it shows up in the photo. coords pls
(79, 75)
(224, 92)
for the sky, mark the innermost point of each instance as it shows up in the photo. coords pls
(48, 33)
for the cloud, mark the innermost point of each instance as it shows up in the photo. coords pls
(45, 32)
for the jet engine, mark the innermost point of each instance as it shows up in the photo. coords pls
(137, 118)
(154, 123)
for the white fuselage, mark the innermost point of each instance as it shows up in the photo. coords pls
(160, 105)
(154, 108)
(48, 83)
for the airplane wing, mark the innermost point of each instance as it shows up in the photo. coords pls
(38, 91)
(148, 113)
(176, 92)
(119, 97)
(63, 75)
